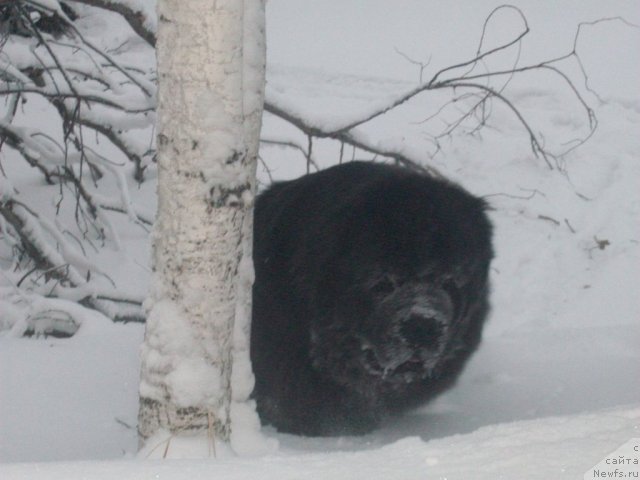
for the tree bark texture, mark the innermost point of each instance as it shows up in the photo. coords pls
(211, 89)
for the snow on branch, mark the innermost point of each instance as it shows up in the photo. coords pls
(347, 136)
(99, 100)
(53, 262)
(104, 107)
(473, 79)
(140, 15)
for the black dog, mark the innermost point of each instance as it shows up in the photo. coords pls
(370, 294)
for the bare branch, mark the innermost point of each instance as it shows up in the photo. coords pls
(479, 56)
(348, 137)
(295, 146)
(422, 65)
(536, 146)
(473, 82)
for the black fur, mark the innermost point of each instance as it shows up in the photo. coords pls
(370, 294)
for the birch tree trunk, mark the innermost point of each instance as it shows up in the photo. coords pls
(211, 61)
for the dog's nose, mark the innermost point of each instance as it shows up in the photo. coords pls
(422, 331)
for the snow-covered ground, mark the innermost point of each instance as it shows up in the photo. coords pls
(554, 387)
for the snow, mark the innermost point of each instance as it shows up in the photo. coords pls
(144, 8)
(172, 361)
(555, 448)
(553, 389)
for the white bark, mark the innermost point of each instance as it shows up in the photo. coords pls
(209, 109)
(245, 424)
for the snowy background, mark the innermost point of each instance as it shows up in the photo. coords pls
(561, 351)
